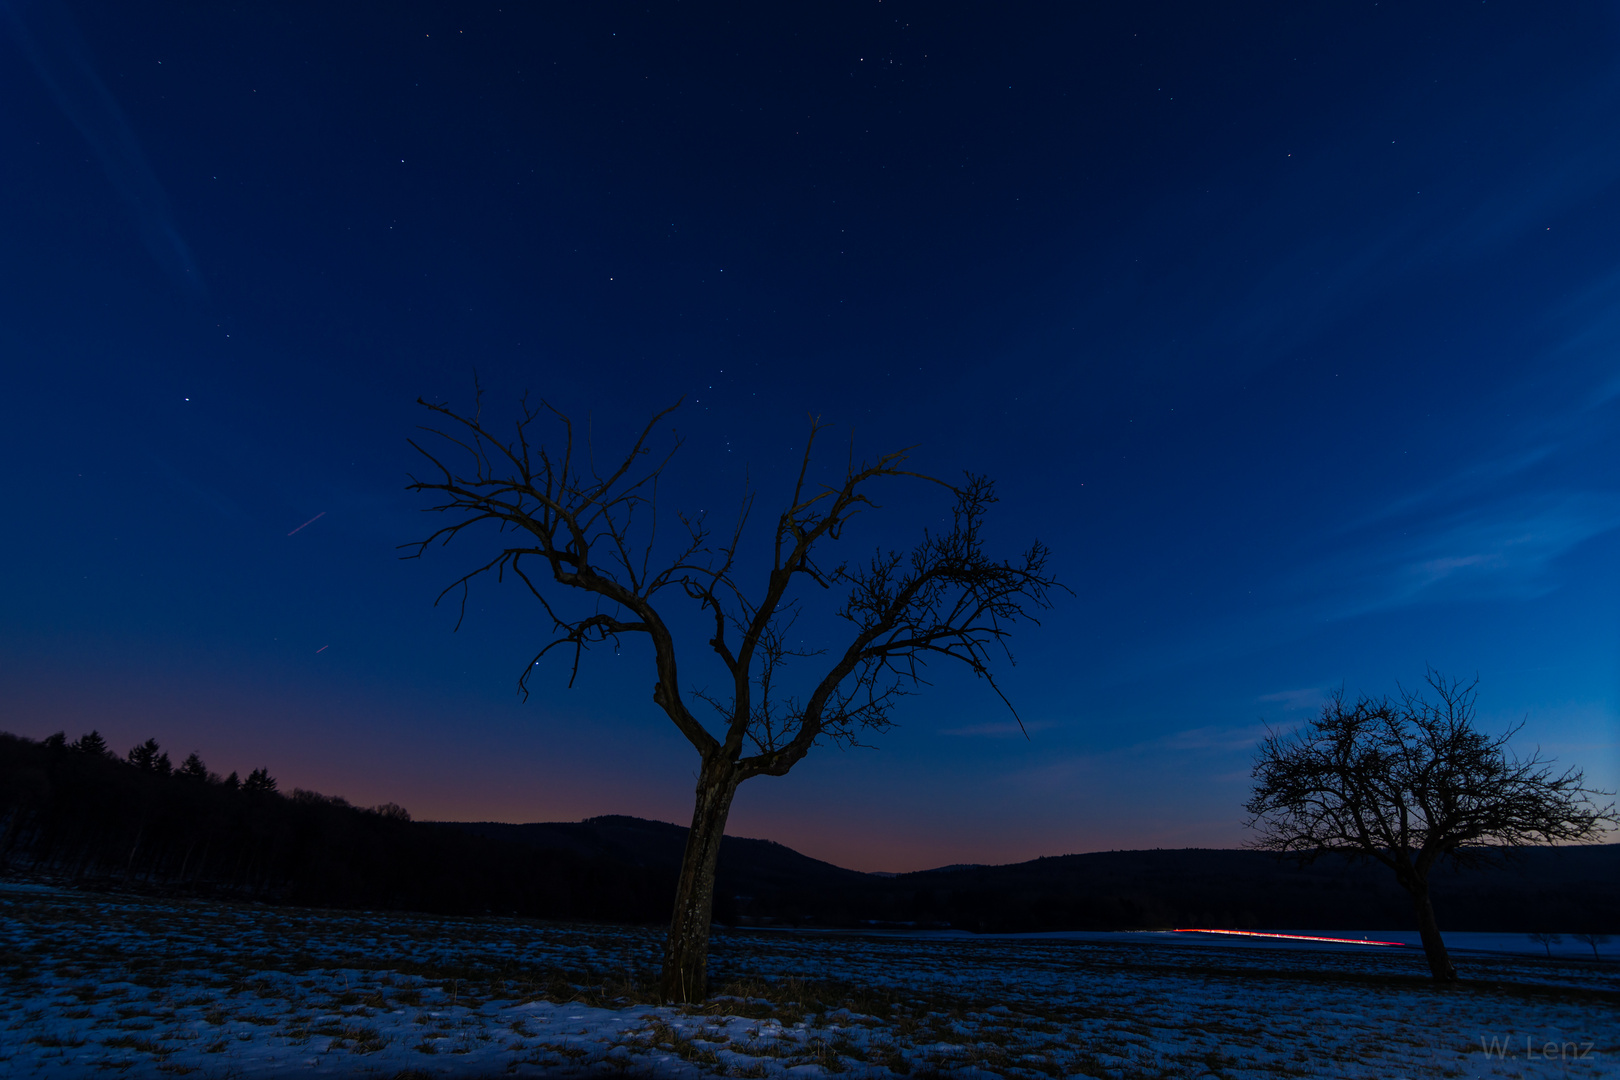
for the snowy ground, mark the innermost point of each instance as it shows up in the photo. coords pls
(146, 988)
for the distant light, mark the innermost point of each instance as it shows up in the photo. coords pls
(1295, 937)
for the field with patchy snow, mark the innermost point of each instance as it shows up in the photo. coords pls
(98, 984)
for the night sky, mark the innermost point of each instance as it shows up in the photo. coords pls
(1294, 331)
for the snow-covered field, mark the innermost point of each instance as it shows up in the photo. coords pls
(126, 986)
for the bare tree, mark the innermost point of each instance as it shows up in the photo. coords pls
(1546, 940)
(594, 534)
(1592, 940)
(1409, 782)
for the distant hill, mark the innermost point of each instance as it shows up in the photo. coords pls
(764, 883)
(82, 816)
(751, 873)
(1541, 888)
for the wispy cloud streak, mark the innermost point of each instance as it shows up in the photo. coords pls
(61, 59)
(1502, 549)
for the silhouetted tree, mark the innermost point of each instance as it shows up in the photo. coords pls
(1546, 940)
(1592, 941)
(259, 780)
(594, 533)
(148, 758)
(92, 744)
(56, 742)
(193, 768)
(141, 756)
(231, 781)
(1409, 782)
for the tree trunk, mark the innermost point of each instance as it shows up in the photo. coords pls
(1433, 947)
(130, 862)
(686, 955)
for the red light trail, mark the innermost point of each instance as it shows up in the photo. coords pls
(311, 521)
(1297, 937)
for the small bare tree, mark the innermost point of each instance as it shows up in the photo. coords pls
(593, 534)
(1592, 939)
(1409, 782)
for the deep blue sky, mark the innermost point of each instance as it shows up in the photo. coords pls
(1295, 333)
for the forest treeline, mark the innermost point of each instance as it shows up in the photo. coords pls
(74, 812)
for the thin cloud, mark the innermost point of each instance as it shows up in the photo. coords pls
(1504, 549)
(1205, 752)
(1202, 738)
(1311, 698)
(61, 59)
(1591, 334)
(1480, 478)
(1001, 729)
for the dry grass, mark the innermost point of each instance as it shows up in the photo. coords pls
(188, 979)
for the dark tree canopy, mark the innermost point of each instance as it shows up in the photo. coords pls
(596, 532)
(259, 780)
(91, 743)
(149, 757)
(573, 531)
(1409, 781)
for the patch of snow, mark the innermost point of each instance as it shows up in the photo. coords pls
(151, 988)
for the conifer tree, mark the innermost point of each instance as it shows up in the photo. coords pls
(91, 744)
(144, 757)
(193, 768)
(259, 780)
